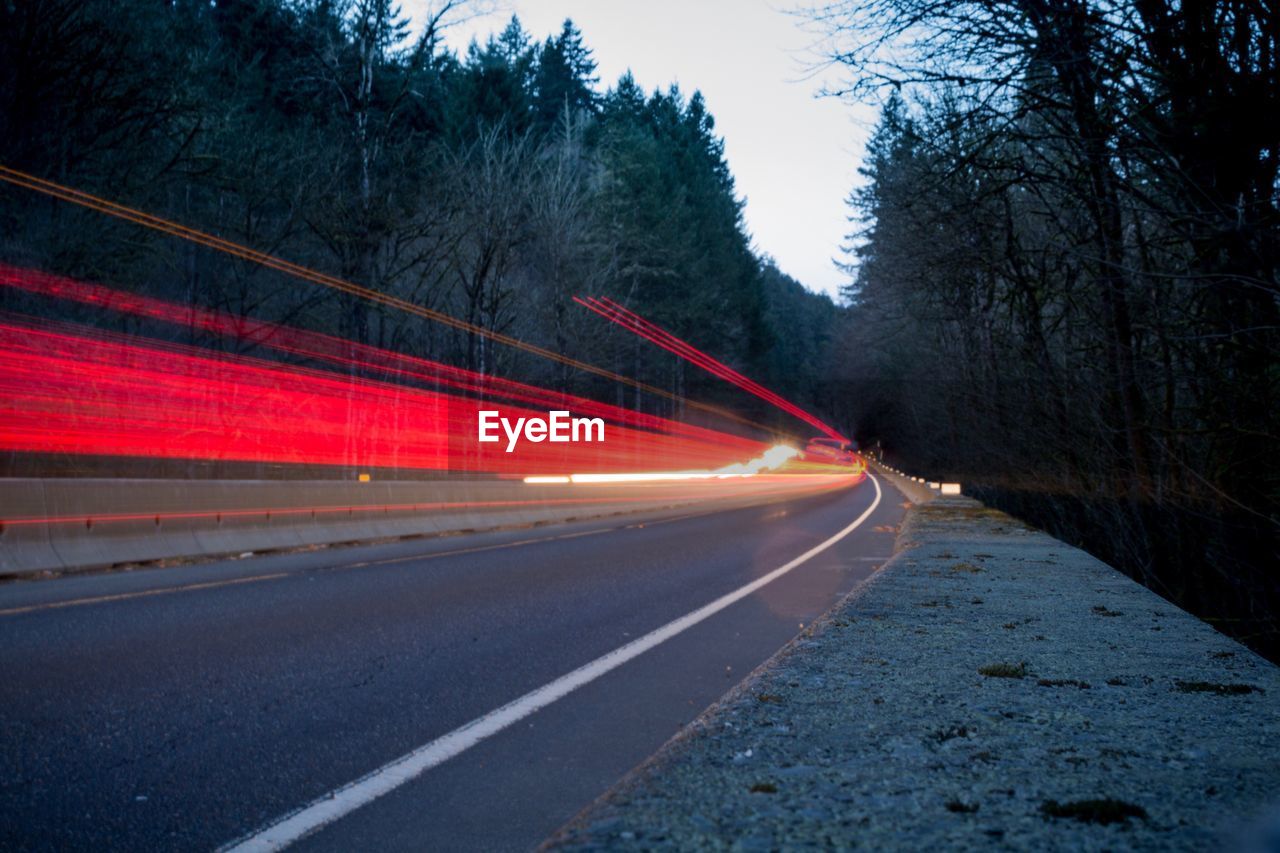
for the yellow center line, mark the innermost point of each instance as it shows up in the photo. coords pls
(122, 596)
(642, 524)
(458, 551)
(582, 533)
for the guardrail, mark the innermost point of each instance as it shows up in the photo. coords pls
(935, 485)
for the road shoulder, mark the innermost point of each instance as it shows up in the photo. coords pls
(990, 685)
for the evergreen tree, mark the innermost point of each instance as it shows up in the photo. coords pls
(565, 78)
(495, 86)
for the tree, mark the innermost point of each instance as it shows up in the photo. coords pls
(491, 191)
(1068, 226)
(564, 78)
(494, 185)
(496, 85)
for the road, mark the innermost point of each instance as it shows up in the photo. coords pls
(191, 707)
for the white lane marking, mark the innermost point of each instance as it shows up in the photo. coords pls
(342, 801)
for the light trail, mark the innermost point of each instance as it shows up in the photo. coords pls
(773, 458)
(156, 223)
(655, 334)
(333, 418)
(448, 414)
(87, 392)
(342, 353)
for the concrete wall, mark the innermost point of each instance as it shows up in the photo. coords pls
(59, 524)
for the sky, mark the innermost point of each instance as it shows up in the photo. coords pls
(794, 156)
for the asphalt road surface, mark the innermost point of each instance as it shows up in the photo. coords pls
(192, 707)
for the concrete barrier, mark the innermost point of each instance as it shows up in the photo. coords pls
(60, 524)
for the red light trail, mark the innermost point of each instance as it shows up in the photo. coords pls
(165, 226)
(653, 333)
(337, 351)
(77, 390)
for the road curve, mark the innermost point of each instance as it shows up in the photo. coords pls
(193, 707)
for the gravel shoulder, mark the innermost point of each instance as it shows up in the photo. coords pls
(990, 687)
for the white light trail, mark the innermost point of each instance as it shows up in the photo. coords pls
(772, 458)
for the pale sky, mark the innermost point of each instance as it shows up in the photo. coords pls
(794, 156)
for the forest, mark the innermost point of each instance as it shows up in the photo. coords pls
(1063, 255)
(1065, 289)
(492, 185)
